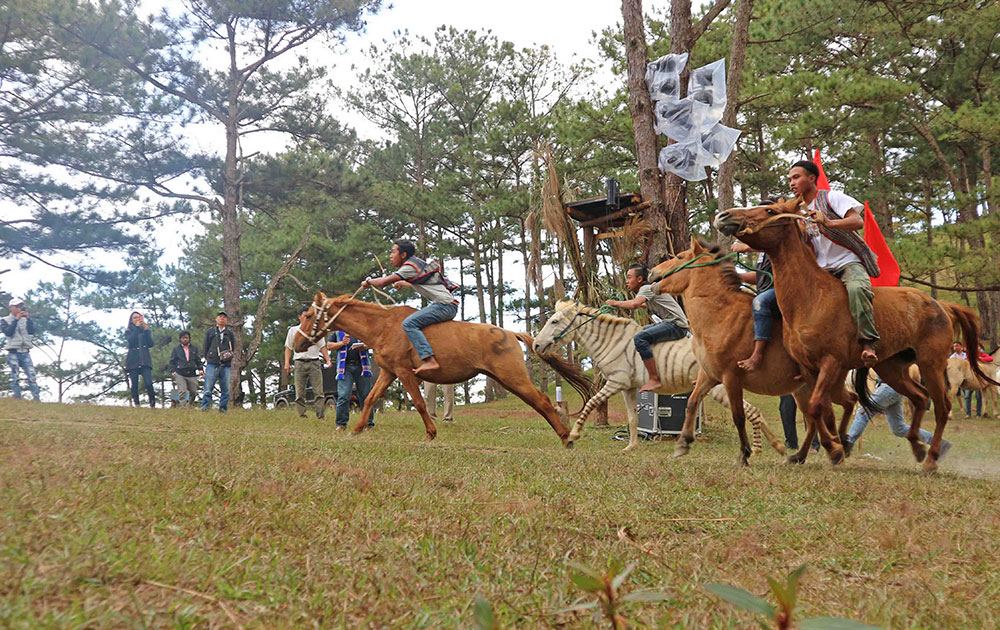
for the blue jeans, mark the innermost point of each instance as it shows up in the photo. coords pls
(352, 377)
(765, 309)
(887, 398)
(653, 333)
(215, 372)
(968, 401)
(18, 361)
(433, 313)
(147, 378)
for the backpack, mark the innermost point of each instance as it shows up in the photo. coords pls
(426, 271)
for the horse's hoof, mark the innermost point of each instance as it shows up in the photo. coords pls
(920, 454)
(795, 459)
(569, 445)
(680, 452)
(780, 448)
(630, 447)
(573, 437)
(430, 436)
(930, 466)
(837, 456)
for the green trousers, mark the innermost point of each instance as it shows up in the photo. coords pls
(859, 296)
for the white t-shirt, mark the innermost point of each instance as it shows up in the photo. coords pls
(312, 352)
(830, 255)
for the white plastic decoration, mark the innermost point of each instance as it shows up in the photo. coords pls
(692, 122)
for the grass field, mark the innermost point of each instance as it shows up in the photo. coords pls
(120, 518)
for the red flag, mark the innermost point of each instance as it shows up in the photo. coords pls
(886, 261)
(822, 183)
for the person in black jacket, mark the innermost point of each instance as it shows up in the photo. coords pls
(219, 344)
(185, 366)
(138, 361)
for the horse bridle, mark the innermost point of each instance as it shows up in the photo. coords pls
(691, 263)
(566, 330)
(757, 227)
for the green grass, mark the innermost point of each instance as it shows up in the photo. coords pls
(119, 518)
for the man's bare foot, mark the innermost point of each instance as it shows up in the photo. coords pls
(750, 363)
(430, 363)
(868, 356)
(653, 385)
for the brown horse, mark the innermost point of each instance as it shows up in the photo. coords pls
(821, 335)
(463, 349)
(720, 314)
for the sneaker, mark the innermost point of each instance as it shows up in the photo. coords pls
(339, 428)
(945, 447)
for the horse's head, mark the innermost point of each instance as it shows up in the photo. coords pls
(557, 325)
(760, 227)
(310, 324)
(674, 274)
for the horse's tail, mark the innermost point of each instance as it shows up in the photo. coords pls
(864, 396)
(572, 373)
(967, 320)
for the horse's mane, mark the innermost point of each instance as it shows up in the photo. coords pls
(590, 310)
(730, 279)
(339, 300)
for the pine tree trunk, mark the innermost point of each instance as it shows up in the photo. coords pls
(734, 77)
(646, 144)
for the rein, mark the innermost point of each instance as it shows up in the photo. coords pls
(565, 331)
(753, 229)
(691, 263)
(324, 325)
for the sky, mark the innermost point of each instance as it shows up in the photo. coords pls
(567, 27)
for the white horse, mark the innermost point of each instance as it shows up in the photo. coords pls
(608, 339)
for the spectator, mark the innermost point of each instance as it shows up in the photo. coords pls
(308, 369)
(887, 398)
(353, 370)
(185, 366)
(430, 397)
(19, 328)
(137, 361)
(219, 344)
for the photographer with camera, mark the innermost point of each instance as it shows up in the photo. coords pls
(137, 361)
(19, 328)
(219, 344)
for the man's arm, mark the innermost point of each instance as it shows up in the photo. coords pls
(288, 359)
(172, 364)
(208, 341)
(8, 329)
(30, 326)
(378, 283)
(750, 277)
(326, 356)
(851, 222)
(636, 302)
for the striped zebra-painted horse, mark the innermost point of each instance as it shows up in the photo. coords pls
(721, 317)
(608, 339)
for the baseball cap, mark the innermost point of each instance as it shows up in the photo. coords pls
(223, 313)
(15, 302)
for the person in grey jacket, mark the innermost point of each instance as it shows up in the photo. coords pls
(19, 328)
(138, 361)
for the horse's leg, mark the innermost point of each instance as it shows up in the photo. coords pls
(702, 385)
(801, 396)
(896, 375)
(847, 401)
(632, 412)
(382, 383)
(938, 391)
(831, 375)
(412, 385)
(517, 382)
(610, 389)
(734, 389)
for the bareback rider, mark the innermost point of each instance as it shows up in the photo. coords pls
(426, 279)
(673, 323)
(835, 220)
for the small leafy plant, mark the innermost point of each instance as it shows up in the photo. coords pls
(603, 588)
(786, 595)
